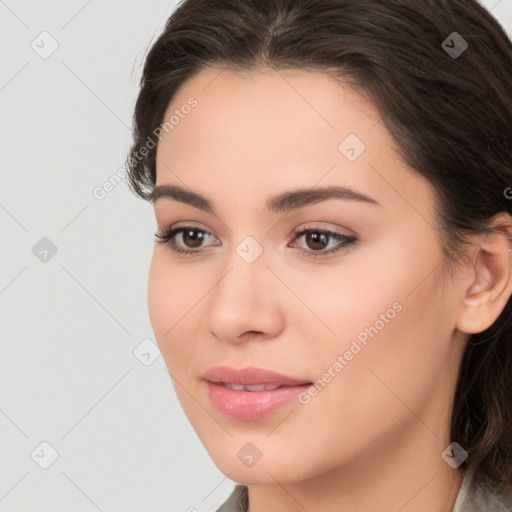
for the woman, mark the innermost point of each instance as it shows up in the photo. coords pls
(331, 285)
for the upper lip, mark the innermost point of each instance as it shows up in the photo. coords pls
(250, 376)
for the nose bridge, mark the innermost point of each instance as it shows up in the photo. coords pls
(245, 275)
(240, 299)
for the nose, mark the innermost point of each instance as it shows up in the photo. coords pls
(244, 304)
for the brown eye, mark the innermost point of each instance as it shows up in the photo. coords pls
(316, 240)
(192, 237)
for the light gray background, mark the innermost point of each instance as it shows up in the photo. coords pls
(70, 325)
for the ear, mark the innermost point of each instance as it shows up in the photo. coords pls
(491, 277)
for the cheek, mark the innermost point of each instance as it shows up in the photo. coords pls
(385, 286)
(160, 296)
(171, 298)
(393, 344)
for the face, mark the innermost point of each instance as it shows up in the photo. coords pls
(345, 293)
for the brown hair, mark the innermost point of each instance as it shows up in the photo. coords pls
(450, 115)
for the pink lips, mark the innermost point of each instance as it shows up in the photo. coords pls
(252, 404)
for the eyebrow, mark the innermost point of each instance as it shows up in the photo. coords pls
(283, 202)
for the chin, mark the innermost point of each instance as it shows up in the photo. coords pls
(263, 470)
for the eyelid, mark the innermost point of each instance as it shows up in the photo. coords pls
(317, 225)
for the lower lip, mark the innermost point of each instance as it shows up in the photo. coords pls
(251, 405)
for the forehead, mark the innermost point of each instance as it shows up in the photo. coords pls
(276, 129)
(264, 105)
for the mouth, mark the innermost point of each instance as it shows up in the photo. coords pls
(251, 393)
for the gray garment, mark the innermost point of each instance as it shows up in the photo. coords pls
(470, 498)
(238, 501)
(475, 498)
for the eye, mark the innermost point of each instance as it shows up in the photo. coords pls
(317, 238)
(189, 233)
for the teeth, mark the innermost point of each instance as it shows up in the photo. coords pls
(252, 387)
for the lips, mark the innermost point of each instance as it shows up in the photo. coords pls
(250, 393)
(250, 376)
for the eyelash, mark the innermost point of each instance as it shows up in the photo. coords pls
(348, 241)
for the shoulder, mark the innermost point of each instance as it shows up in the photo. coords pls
(237, 501)
(474, 497)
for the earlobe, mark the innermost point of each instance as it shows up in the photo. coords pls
(491, 287)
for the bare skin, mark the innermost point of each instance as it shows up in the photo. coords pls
(372, 438)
